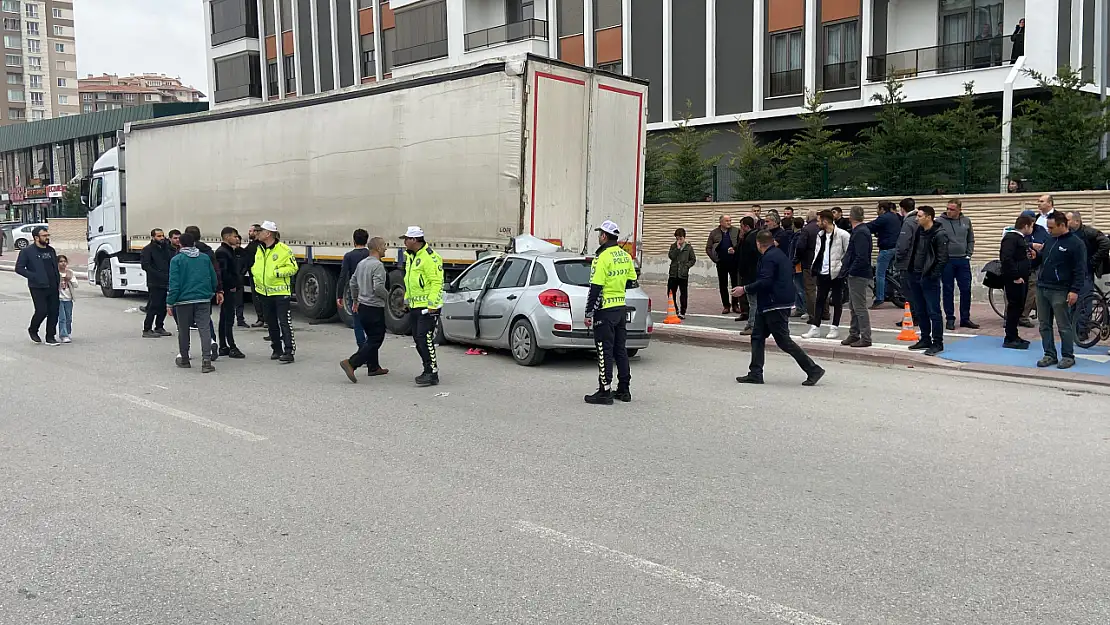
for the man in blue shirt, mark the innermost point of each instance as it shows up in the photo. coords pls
(885, 227)
(347, 269)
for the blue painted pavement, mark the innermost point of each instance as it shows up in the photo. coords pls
(988, 350)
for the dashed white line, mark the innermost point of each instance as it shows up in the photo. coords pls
(192, 418)
(720, 592)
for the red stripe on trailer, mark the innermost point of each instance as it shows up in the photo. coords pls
(639, 95)
(536, 134)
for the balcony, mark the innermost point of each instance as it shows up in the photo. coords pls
(840, 75)
(787, 83)
(422, 52)
(952, 57)
(505, 33)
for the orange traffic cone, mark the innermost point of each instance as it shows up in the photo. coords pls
(908, 333)
(672, 317)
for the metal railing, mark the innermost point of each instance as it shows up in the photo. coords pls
(840, 75)
(516, 31)
(422, 52)
(951, 57)
(787, 83)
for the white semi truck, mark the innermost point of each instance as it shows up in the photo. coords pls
(475, 155)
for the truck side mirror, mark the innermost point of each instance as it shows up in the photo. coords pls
(85, 184)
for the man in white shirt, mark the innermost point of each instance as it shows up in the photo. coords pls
(1045, 204)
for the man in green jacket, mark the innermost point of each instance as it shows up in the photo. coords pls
(272, 275)
(192, 286)
(424, 297)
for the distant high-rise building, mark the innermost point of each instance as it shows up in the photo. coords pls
(107, 92)
(40, 60)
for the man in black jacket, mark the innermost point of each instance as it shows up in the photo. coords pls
(230, 274)
(927, 256)
(748, 260)
(249, 253)
(155, 262)
(38, 263)
(773, 289)
(1015, 256)
(804, 249)
(1059, 282)
(1098, 246)
(856, 267)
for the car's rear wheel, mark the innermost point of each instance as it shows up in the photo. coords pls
(632, 353)
(20, 244)
(522, 344)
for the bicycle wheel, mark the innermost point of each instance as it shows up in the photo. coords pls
(1090, 327)
(997, 299)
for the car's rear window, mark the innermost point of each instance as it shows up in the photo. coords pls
(576, 272)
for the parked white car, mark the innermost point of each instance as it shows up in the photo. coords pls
(21, 236)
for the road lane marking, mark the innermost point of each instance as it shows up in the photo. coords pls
(720, 592)
(192, 418)
(873, 328)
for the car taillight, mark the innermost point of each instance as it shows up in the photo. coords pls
(562, 326)
(554, 298)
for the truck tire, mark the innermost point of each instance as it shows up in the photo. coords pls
(396, 319)
(104, 277)
(316, 291)
(346, 315)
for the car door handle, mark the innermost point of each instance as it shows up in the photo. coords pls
(470, 301)
(100, 229)
(511, 297)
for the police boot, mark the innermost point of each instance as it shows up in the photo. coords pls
(601, 398)
(427, 379)
(623, 394)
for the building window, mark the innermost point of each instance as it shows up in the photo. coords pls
(63, 99)
(130, 97)
(616, 67)
(61, 65)
(971, 34)
(368, 55)
(238, 76)
(86, 97)
(607, 14)
(59, 31)
(32, 10)
(271, 81)
(34, 46)
(37, 98)
(62, 82)
(15, 79)
(290, 68)
(571, 19)
(233, 19)
(38, 115)
(33, 28)
(60, 48)
(13, 60)
(35, 62)
(57, 13)
(786, 63)
(528, 10)
(35, 81)
(10, 6)
(12, 23)
(421, 33)
(150, 97)
(16, 114)
(102, 96)
(15, 95)
(86, 108)
(13, 42)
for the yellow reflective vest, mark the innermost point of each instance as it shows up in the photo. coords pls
(273, 270)
(612, 269)
(423, 279)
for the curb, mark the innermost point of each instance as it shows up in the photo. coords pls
(724, 339)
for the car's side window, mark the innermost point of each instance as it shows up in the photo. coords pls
(474, 277)
(514, 274)
(539, 275)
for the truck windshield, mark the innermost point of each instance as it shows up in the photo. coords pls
(576, 272)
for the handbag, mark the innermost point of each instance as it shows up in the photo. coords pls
(992, 275)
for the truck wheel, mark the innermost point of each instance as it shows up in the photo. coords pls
(316, 292)
(104, 277)
(346, 315)
(396, 319)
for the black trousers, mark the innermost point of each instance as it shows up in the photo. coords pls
(726, 273)
(155, 308)
(279, 317)
(423, 333)
(674, 286)
(827, 285)
(372, 320)
(46, 308)
(256, 300)
(776, 324)
(1015, 303)
(610, 335)
(228, 311)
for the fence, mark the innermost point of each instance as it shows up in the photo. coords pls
(861, 175)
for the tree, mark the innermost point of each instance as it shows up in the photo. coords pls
(900, 150)
(1056, 140)
(688, 174)
(756, 167)
(71, 201)
(970, 137)
(655, 164)
(815, 159)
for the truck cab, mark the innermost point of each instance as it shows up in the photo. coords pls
(111, 266)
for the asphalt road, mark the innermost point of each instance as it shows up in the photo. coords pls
(138, 493)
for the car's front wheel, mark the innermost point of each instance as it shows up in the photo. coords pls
(20, 244)
(522, 344)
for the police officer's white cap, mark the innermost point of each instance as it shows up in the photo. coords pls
(413, 232)
(609, 227)
(269, 225)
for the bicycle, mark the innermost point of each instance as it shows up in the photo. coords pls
(1092, 313)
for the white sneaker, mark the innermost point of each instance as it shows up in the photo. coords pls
(814, 332)
(834, 333)
(66, 339)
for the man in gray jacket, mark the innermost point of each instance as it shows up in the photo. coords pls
(368, 289)
(961, 246)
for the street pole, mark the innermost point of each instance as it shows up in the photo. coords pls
(1104, 26)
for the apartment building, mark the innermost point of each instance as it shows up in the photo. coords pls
(109, 91)
(40, 61)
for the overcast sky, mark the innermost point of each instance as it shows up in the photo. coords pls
(136, 36)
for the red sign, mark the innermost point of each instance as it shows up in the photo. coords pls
(56, 190)
(15, 194)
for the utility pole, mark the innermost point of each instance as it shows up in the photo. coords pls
(1104, 29)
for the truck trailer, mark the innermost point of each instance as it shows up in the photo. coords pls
(476, 155)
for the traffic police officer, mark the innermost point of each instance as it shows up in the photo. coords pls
(612, 270)
(424, 298)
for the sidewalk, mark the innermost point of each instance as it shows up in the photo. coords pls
(965, 350)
